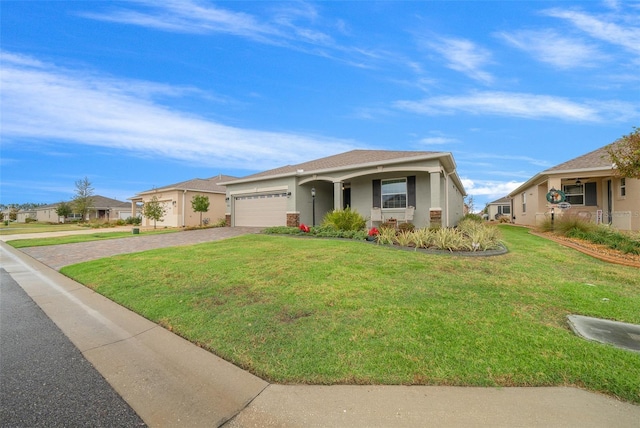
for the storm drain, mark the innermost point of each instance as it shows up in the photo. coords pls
(619, 334)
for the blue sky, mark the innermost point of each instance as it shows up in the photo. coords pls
(137, 95)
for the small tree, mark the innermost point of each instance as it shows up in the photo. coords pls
(83, 201)
(625, 154)
(154, 210)
(200, 204)
(64, 210)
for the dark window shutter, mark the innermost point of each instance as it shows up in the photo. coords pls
(411, 191)
(590, 195)
(377, 194)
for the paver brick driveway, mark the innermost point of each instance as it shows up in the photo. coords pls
(58, 256)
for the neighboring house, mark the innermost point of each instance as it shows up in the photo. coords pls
(420, 187)
(104, 208)
(499, 208)
(176, 200)
(592, 190)
(23, 215)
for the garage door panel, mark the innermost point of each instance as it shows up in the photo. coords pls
(261, 210)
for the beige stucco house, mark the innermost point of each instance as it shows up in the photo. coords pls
(591, 188)
(176, 200)
(420, 187)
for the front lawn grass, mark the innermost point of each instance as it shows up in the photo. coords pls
(324, 311)
(71, 239)
(16, 228)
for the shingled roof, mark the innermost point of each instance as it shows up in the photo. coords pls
(342, 160)
(197, 184)
(597, 159)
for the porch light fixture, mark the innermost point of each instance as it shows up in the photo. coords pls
(226, 199)
(578, 182)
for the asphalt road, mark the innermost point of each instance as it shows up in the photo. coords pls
(44, 379)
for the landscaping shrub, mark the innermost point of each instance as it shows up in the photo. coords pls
(448, 239)
(574, 227)
(565, 224)
(346, 219)
(406, 227)
(472, 217)
(468, 236)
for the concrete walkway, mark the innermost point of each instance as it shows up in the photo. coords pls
(171, 382)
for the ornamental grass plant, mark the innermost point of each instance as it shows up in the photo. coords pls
(575, 227)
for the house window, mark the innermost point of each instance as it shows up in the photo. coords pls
(394, 193)
(623, 187)
(524, 202)
(574, 194)
(504, 209)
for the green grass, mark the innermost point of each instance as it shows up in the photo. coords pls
(17, 228)
(98, 236)
(337, 312)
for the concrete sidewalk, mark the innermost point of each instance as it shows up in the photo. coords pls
(171, 382)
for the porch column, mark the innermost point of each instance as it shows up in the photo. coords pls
(435, 210)
(337, 195)
(435, 191)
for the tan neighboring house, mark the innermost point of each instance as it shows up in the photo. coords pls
(499, 208)
(176, 200)
(406, 186)
(104, 208)
(591, 189)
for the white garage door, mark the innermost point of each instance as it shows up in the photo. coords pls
(261, 210)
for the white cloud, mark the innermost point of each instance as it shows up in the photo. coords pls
(601, 28)
(464, 56)
(529, 106)
(558, 50)
(489, 188)
(437, 141)
(189, 17)
(42, 102)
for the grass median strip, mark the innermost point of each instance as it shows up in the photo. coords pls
(336, 311)
(71, 239)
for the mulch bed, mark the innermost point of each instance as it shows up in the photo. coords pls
(599, 251)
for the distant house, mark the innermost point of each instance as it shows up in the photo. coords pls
(591, 190)
(499, 208)
(23, 215)
(418, 187)
(176, 200)
(104, 208)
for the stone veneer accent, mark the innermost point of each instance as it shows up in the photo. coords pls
(293, 219)
(227, 220)
(435, 217)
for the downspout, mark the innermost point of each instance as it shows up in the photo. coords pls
(184, 195)
(446, 196)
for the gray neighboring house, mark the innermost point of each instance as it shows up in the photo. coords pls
(499, 208)
(415, 186)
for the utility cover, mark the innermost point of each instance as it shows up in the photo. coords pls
(618, 334)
